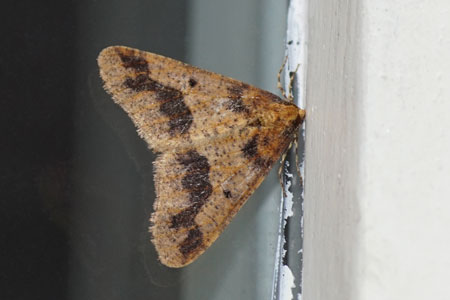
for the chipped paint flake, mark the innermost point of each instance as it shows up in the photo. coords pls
(286, 283)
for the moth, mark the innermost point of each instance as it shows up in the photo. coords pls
(216, 139)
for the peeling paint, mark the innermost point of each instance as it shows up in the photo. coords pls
(296, 38)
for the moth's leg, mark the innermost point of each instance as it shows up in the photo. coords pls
(297, 164)
(279, 85)
(280, 172)
(290, 96)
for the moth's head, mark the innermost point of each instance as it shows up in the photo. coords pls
(302, 114)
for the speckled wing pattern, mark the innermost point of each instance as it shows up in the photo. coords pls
(216, 137)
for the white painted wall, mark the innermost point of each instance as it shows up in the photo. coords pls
(377, 183)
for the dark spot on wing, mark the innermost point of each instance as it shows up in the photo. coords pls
(180, 116)
(193, 161)
(235, 103)
(255, 123)
(192, 241)
(251, 148)
(235, 91)
(227, 193)
(142, 83)
(192, 82)
(181, 123)
(196, 182)
(174, 107)
(168, 93)
(172, 101)
(186, 217)
(135, 62)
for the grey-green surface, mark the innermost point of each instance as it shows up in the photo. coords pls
(77, 181)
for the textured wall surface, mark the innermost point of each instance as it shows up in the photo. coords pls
(377, 164)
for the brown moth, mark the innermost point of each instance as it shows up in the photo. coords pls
(217, 138)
